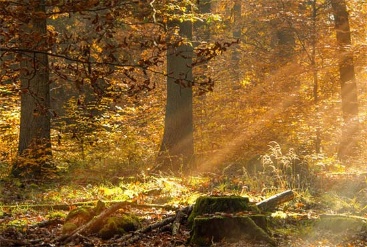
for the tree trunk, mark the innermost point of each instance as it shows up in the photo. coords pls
(177, 148)
(237, 32)
(349, 99)
(201, 36)
(315, 76)
(34, 140)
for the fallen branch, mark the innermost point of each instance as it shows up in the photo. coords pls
(130, 238)
(91, 224)
(135, 236)
(67, 207)
(271, 203)
(48, 223)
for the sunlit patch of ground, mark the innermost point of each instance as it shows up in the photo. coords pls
(292, 223)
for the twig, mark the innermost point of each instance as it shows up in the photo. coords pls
(130, 238)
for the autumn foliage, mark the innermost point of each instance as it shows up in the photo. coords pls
(107, 65)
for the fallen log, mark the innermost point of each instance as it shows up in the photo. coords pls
(272, 202)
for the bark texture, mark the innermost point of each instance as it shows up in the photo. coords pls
(348, 83)
(236, 32)
(34, 140)
(177, 148)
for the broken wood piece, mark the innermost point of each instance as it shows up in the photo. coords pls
(272, 202)
(180, 216)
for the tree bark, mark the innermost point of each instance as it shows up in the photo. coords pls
(315, 75)
(270, 203)
(237, 32)
(177, 148)
(348, 83)
(201, 31)
(34, 147)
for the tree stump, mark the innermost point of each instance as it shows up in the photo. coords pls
(232, 218)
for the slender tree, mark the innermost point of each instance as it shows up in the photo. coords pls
(237, 27)
(315, 71)
(34, 140)
(202, 36)
(177, 148)
(347, 80)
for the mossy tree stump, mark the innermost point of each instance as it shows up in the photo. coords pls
(232, 218)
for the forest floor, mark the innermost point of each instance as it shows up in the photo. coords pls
(33, 215)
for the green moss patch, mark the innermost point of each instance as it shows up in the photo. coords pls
(76, 218)
(233, 218)
(111, 226)
(119, 225)
(228, 204)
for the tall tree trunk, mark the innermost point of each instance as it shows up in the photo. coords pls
(177, 148)
(349, 97)
(34, 140)
(236, 32)
(315, 75)
(201, 73)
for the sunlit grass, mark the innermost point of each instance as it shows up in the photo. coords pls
(163, 190)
